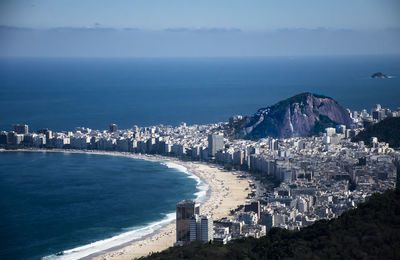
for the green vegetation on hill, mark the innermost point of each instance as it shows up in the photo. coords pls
(299, 116)
(388, 130)
(371, 231)
(302, 97)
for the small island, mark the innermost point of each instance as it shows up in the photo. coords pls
(379, 75)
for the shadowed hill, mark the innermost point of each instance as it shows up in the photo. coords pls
(371, 231)
(299, 116)
(387, 130)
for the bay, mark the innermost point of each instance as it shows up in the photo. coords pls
(51, 202)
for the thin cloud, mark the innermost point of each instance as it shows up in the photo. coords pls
(203, 30)
(6, 28)
(82, 29)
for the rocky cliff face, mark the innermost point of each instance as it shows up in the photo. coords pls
(299, 116)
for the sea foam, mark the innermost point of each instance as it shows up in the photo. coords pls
(114, 241)
(202, 187)
(137, 233)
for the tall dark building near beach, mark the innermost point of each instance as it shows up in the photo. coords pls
(21, 129)
(184, 211)
(254, 207)
(113, 128)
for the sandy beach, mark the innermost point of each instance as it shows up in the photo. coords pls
(226, 192)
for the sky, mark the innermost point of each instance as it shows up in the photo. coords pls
(198, 28)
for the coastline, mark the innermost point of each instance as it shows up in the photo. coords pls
(224, 192)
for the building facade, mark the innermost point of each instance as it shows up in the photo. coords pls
(201, 228)
(21, 129)
(113, 128)
(185, 210)
(215, 144)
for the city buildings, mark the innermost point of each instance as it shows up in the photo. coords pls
(206, 228)
(185, 210)
(215, 144)
(21, 129)
(316, 177)
(254, 206)
(201, 228)
(113, 128)
(194, 228)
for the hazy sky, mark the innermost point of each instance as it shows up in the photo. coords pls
(243, 14)
(198, 28)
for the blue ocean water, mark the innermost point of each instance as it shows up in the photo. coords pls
(53, 202)
(61, 94)
(50, 202)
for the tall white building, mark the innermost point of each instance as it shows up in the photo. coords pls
(330, 131)
(201, 228)
(194, 228)
(206, 229)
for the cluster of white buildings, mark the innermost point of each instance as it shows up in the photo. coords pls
(244, 223)
(319, 176)
(363, 118)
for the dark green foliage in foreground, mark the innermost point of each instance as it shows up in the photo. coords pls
(388, 130)
(372, 231)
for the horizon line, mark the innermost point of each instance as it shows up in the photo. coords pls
(198, 57)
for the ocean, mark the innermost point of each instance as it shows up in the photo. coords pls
(63, 93)
(53, 202)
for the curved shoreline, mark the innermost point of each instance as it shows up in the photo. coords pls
(215, 202)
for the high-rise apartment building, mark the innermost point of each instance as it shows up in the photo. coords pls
(215, 144)
(113, 128)
(3, 137)
(184, 211)
(201, 228)
(254, 207)
(194, 228)
(206, 228)
(21, 129)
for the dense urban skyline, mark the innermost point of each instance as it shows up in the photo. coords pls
(319, 177)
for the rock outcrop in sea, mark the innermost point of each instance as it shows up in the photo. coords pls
(303, 115)
(379, 75)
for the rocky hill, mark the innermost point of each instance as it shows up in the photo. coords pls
(303, 115)
(379, 75)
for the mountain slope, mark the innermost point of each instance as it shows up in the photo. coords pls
(299, 116)
(371, 231)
